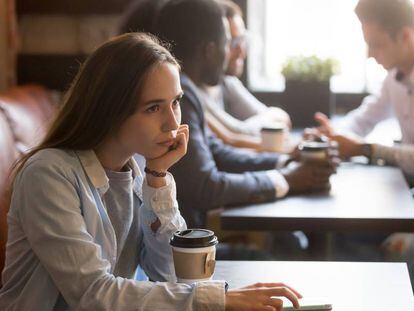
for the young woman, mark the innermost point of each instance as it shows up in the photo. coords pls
(82, 217)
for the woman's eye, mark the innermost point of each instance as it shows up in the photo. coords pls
(154, 108)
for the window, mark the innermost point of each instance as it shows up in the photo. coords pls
(326, 28)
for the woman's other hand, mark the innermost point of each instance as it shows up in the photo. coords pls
(261, 296)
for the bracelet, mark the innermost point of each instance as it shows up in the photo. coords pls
(154, 173)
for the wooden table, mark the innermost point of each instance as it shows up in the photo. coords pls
(363, 198)
(348, 286)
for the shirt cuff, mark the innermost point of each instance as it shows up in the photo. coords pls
(161, 201)
(282, 160)
(382, 153)
(210, 296)
(280, 183)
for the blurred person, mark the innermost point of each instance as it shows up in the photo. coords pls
(388, 28)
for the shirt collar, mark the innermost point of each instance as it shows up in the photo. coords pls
(185, 79)
(96, 173)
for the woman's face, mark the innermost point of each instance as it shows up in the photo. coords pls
(152, 129)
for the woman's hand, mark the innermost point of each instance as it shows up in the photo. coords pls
(175, 153)
(261, 296)
(168, 159)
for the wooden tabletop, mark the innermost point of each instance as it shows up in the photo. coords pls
(347, 286)
(363, 198)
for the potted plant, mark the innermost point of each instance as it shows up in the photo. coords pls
(308, 87)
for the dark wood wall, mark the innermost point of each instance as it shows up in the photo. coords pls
(83, 7)
(56, 70)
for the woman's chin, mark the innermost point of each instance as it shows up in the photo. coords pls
(155, 155)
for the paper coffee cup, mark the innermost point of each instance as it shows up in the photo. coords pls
(273, 137)
(194, 254)
(313, 150)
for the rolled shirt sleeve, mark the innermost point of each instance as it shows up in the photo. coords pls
(280, 183)
(373, 109)
(400, 155)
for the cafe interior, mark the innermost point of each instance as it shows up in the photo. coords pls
(207, 155)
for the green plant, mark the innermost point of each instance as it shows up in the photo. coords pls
(309, 68)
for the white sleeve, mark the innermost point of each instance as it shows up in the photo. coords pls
(400, 155)
(362, 120)
(280, 183)
(239, 102)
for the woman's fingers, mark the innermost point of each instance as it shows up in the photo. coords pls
(182, 139)
(276, 304)
(261, 296)
(278, 284)
(283, 292)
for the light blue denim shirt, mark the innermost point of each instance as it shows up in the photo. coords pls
(61, 248)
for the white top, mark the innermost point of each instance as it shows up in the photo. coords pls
(396, 100)
(234, 106)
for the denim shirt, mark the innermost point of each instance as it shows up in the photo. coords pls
(61, 248)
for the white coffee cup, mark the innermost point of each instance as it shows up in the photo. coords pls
(194, 253)
(273, 137)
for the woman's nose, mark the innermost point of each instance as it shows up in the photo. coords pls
(173, 120)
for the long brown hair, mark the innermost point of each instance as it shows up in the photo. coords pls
(104, 93)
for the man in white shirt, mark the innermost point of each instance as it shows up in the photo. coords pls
(388, 28)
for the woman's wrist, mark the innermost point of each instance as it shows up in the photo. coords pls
(156, 181)
(155, 173)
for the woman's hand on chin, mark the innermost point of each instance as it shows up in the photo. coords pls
(168, 159)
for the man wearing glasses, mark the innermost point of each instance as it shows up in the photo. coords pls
(230, 104)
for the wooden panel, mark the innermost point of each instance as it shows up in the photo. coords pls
(53, 71)
(346, 285)
(71, 6)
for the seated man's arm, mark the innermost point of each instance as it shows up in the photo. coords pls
(202, 183)
(399, 155)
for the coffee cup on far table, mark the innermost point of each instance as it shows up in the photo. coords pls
(194, 253)
(313, 150)
(273, 137)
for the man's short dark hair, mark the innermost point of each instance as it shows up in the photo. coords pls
(187, 24)
(230, 8)
(391, 15)
(141, 16)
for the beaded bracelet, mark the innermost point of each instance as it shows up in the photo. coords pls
(154, 173)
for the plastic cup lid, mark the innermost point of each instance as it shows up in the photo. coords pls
(313, 146)
(193, 238)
